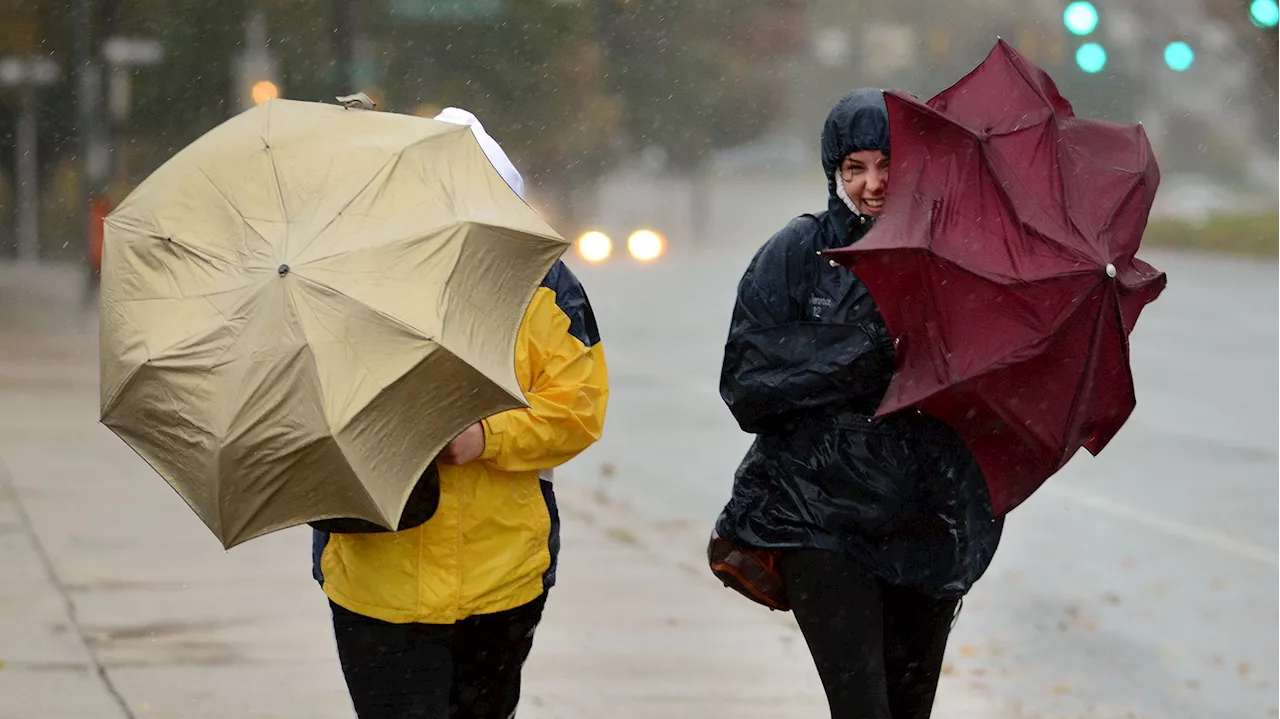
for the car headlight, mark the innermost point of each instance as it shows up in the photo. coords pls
(646, 245)
(594, 246)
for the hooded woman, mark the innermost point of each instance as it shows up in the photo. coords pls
(876, 527)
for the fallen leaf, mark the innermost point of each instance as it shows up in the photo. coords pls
(979, 672)
(948, 669)
(621, 535)
(969, 651)
(1218, 584)
(1243, 669)
(608, 469)
(1111, 598)
(1217, 660)
(1060, 689)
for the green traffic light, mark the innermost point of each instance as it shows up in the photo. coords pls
(1264, 13)
(1080, 17)
(1179, 56)
(1091, 57)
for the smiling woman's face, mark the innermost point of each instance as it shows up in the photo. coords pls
(865, 174)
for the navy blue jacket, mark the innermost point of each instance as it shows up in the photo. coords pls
(806, 363)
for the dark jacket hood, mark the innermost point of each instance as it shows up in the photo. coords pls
(860, 121)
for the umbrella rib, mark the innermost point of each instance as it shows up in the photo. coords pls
(216, 531)
(363, 370)
(221, 194)
(392, 318)
(1041, 338)
(999, 364)
(1013, 213)
(386, 166)
(202, 253)
(933, 303)
(151, 357)
(1134, 187)
(1035, 86)
(998, 279)
(410, 329)
(275, 174)
(1085, 372)
(418, 235)
(1124, 348)
(390, 165)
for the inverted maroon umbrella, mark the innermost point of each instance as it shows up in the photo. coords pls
(1004, 267)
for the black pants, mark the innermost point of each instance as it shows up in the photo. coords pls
(877, 648)
(467, 670)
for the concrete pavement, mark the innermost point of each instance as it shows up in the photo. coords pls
(117, 603)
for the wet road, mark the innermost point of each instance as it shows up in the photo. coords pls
(1141, 583)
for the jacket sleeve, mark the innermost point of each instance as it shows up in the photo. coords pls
(777, 364)
(569, 384)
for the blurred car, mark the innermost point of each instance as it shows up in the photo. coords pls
(642, 245)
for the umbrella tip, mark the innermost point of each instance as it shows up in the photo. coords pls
(358, 100)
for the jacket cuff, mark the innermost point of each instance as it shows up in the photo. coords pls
(492, 439)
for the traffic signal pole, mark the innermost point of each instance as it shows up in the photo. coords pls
(86, 95)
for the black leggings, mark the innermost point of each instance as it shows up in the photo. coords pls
(878, 648)
(467, 670)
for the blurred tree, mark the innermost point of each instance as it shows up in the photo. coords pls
(1262, 44)
(531, 71)
(565, 85)
(190, 92)
(697, 75)
(36, 27)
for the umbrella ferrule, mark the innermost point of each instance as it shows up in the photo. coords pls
(283, 270)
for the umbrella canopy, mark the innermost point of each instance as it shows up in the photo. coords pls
(300, 309)
(1005, 268)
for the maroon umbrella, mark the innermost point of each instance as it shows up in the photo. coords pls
(1004, 267)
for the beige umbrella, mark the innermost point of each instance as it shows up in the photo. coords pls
(301, 308)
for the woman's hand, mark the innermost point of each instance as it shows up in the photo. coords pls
(466, 447)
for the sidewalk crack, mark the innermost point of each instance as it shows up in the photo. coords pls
(7, 487)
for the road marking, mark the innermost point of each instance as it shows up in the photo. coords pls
(1168, 526)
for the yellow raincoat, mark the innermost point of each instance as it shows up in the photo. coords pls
(492, 543)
